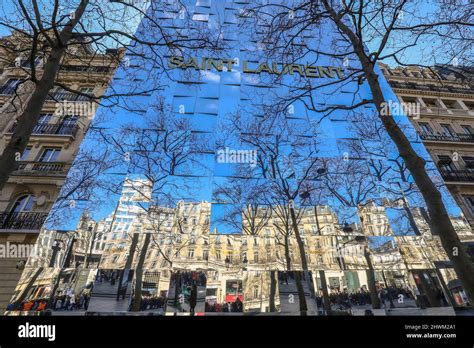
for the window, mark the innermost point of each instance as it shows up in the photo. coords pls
(68, 124)
(425, 127)
(25, 154)
(84, 90)
(255, 291)
(255, 257)
(10, 86)
(191, 253)
(469, 161)
(431, 103)
(205, 254)
(50, 154)
(44, 118)
(445, 163)
(23, 204)
(447, 129)
(468, 129)
(470, 203)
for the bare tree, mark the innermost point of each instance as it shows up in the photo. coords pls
(395, 27)
(55, 32)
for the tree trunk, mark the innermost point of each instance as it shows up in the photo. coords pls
(128, 263)
(28, 287)
(287, 253)
(139, 274)
(273, 283)
(324, 289)
(304, 263)
(439, 216)
(301, 296)
(29, 117)
(371, 282)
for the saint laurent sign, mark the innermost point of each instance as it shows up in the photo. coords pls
(248, 67)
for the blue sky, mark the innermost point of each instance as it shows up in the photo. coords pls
(420, 54)
(127, 23)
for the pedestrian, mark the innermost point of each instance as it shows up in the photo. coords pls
(193, 299)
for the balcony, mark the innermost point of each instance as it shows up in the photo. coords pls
(86, 68)
(22, 221)
(41, 168)
(64, 95)
(51, 129)
(460, 138)
(458, 175)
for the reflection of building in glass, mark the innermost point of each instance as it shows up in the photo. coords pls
(322, 194)
(181, 240)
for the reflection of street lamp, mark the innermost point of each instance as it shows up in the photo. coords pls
(346, 228)
(227, 262)
(245, 262)
(95, 236)
(56, 248)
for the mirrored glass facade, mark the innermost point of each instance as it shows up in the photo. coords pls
(234, 189)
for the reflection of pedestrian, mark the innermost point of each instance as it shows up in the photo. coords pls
(284, 278)
(72, 303)
(193, 298)
(238, 305)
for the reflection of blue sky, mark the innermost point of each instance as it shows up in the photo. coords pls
(207, 99)
(377, 241)
(399, 222)
(224, 219)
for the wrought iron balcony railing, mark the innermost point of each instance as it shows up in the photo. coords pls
(22, 221)
(458, 175)
(51, 129)
(27, 167)
(86, 68)
(58, 96)
(466, 138)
